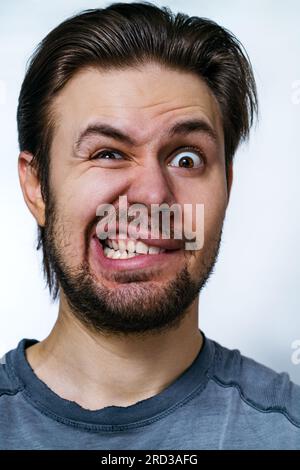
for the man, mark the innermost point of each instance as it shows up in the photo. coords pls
(134, 102)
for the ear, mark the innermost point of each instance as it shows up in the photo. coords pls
(31, 187)
(229, 179)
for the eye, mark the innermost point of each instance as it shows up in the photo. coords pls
(107, 155)
(189, 158)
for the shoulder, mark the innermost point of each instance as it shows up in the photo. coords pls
(9, 384)
(259, 386)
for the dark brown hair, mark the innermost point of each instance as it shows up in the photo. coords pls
(130, 34)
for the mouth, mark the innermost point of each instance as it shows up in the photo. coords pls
(129, 248)
(130, 254)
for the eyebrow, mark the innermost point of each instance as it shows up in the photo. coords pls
(186, 127)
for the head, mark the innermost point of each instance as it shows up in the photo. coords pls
(101, 94)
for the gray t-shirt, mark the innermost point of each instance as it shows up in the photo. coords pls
(222, 401)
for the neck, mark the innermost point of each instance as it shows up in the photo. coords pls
(97, 370)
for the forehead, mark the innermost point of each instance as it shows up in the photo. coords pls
(140, 100)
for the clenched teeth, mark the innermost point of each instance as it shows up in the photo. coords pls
(124, 249)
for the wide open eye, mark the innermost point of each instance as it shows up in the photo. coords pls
(190, 158)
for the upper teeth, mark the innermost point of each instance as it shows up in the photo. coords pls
(128, 248)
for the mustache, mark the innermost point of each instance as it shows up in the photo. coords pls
(143, 224)
(157, 222)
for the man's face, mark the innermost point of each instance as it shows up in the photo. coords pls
(149, 292)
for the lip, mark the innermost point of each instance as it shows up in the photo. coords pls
(138, 262)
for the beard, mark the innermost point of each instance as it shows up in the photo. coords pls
(137, 305)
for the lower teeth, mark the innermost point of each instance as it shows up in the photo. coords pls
(116, 254)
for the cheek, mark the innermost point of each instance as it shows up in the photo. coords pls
(78, 197)
(211, 193)
(215, 203)
(84, 192)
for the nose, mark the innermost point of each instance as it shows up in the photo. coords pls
(150, 185)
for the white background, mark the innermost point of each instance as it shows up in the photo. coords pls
(252, 301)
